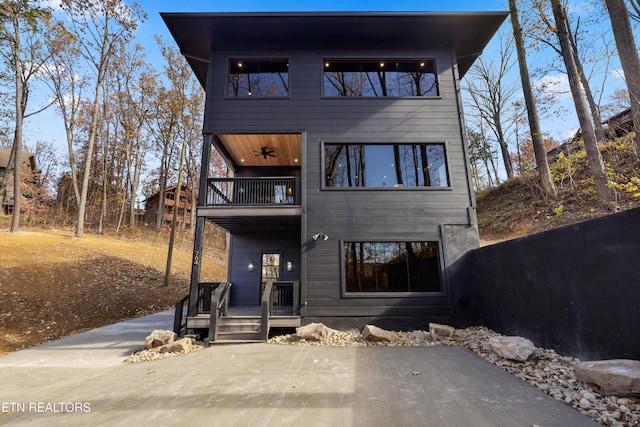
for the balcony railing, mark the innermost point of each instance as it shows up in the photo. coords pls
(253, 191)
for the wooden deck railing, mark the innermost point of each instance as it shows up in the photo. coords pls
(253, 191)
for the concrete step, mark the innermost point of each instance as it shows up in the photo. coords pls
(238, 336)
(240, 319)
(239, 327)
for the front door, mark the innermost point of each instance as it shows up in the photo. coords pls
(269, 269)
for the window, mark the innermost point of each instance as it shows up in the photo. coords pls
(258, 78)
(391, 267)
(384, 77)
(385, 165)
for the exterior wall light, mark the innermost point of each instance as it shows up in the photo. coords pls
(320, 236)
(289, 266)
(250, 266)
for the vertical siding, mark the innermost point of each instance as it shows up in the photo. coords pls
(408, 214)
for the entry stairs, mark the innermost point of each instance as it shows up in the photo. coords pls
(220, 324)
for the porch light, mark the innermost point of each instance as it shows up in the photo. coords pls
(320, 236)
(250, 266)
(289, 266)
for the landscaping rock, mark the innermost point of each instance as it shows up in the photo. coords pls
(373, 333)
(512, 348)
(314, 332)
(181, 346)
(158, 338)
(619, 377)
(438, 331)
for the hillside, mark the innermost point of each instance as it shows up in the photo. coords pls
(53, 285)
(518, 207)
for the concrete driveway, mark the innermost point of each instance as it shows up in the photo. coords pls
(81, 380)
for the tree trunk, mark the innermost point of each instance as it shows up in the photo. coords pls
(504, 149)
(17, 136)
(174, 219)
(539, 150)
(93, 128)
(628, 58)
(593, 153)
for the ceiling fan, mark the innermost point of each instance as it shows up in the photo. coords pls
(265, 152)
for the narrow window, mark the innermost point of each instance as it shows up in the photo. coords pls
(391, 267)
(382, 77)
(385, 165)
(258, 78)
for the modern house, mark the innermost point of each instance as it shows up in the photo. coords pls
(349, 199)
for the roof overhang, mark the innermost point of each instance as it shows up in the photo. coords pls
(198, 33)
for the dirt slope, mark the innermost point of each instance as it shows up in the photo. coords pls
(518, 207)
(53, 285)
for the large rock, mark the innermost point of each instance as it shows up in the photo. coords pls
(619, 377)
(512, 348)
(314, 332)
(373, 333)
(183, 345)
(158, 338)
(438, 331)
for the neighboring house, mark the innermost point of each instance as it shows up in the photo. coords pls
(28, 162)
(349, 194)
(620, 124)
(152, 204)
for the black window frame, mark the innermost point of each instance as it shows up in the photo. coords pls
(346, 293)
(375, 65)
(256, 67)
(395, 187)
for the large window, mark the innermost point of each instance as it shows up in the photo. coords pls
(384, 77)
(391, 267)
(385, 165)
(258, 78)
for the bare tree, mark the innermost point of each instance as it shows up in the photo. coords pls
(542, 165)
(104, 24)
(593, 153)
(628, 53)
(21, 32)
(491, 93)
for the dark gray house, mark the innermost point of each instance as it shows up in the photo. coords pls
(349, 198)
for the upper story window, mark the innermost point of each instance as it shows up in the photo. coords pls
(385, 165)
(258, 78)
(383, 77)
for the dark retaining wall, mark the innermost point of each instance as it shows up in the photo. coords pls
(575, 289)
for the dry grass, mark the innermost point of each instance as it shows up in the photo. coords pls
(53, 285)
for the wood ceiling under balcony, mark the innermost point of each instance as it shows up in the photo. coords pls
(247, 149)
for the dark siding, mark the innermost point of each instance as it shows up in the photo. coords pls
(245, 289)
(357, 215)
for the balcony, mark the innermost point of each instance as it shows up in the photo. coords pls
(253, 204)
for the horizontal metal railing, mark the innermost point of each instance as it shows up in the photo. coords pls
(253, 191)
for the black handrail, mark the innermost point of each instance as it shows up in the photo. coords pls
(180, 316)
(279, 298)
(219, 307)
(273, 191)
(266, 305)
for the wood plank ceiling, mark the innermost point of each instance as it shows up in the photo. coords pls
(263, 149)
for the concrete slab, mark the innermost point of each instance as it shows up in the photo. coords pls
(269, 385)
